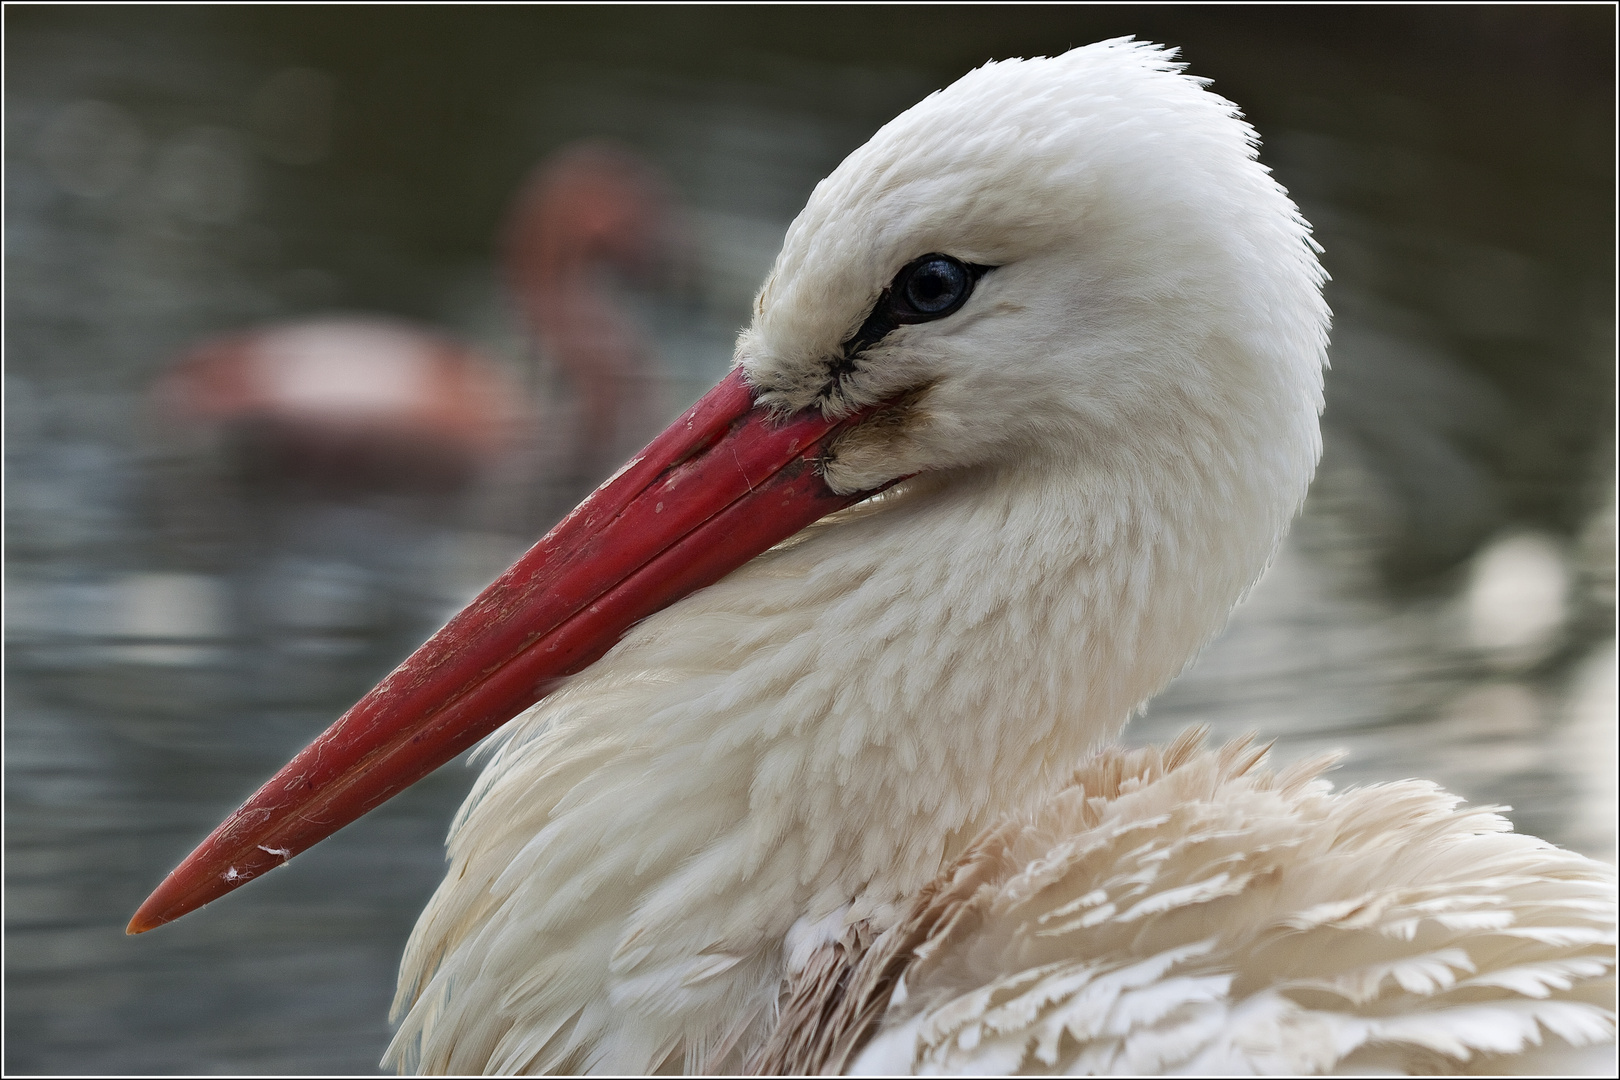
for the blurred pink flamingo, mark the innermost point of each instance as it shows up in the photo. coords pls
(356, 404)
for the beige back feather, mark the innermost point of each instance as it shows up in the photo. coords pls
(1184, 909)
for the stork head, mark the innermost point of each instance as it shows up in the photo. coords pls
(1049, 257)
(1072, 264)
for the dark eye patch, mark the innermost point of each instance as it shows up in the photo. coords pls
(925, 289)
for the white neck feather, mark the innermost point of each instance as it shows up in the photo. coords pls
(818, 732)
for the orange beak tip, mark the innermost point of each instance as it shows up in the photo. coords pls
(142, 922)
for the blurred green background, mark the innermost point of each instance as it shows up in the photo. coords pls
(176, 628)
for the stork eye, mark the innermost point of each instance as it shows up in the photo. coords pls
(932, 286)
(925, 289)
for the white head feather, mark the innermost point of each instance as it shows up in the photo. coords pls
(1112, 435)
(1147, 263)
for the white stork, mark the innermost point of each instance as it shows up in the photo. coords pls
(837, 801)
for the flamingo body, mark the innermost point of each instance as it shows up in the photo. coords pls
(359, 403)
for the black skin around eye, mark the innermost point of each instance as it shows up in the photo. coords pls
(925, 289)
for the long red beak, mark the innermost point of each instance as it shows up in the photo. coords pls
(722, 484)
